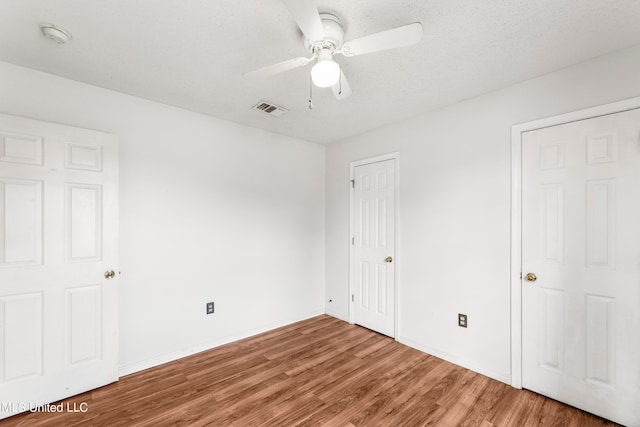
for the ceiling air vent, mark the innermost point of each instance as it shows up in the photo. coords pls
(271, 109)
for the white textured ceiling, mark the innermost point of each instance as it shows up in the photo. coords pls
(192, 53)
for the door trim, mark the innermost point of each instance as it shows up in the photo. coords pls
(516, 213)
(396, 276)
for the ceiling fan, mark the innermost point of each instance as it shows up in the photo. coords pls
(324, 38)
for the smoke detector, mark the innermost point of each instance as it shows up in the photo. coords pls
(55, 33)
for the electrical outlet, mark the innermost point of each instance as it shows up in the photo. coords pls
(210, 307)
(462, 320)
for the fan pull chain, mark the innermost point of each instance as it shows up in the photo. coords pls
(340, 80)
(310, 93)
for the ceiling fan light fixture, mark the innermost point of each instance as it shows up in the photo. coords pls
(325, 72)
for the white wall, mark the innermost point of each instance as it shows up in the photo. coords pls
(455, 208)
(210, 210)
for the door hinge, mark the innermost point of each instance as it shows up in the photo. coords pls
(353, 183)
(353, 240)
(352, 296)
(521, 275)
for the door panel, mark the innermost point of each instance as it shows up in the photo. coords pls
(22, 335)
(374, 241)
(83, 217)
(21, 216)
(581, 238)
(83, 309)
(58, 312)
(20, 148)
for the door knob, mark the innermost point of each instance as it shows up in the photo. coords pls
(110, 274)
(531, 277)
(388, 259)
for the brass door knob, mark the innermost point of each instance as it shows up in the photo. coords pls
(388, 259)
(531, 277)
(109, 274)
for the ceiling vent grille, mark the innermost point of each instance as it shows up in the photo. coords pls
(270, 109)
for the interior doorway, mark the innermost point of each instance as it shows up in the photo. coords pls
(373, 243)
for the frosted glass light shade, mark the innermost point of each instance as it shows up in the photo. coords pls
(325, 72)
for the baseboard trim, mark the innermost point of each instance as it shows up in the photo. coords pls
(170, 357)
(502, 377)
(337, 315)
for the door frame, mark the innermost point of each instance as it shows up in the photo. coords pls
(396, 273)
(516, 213)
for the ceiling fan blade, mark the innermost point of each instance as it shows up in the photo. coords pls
(307, 17)
(341, 89)
(280, 67)
(406, 35)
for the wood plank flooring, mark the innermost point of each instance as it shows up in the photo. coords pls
(318, 372)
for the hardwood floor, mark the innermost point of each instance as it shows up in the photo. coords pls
(320, 371)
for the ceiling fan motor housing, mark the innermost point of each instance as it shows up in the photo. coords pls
(334, 34)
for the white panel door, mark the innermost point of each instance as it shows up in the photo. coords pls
(58, 238)
(581, 239)
(374, 244)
